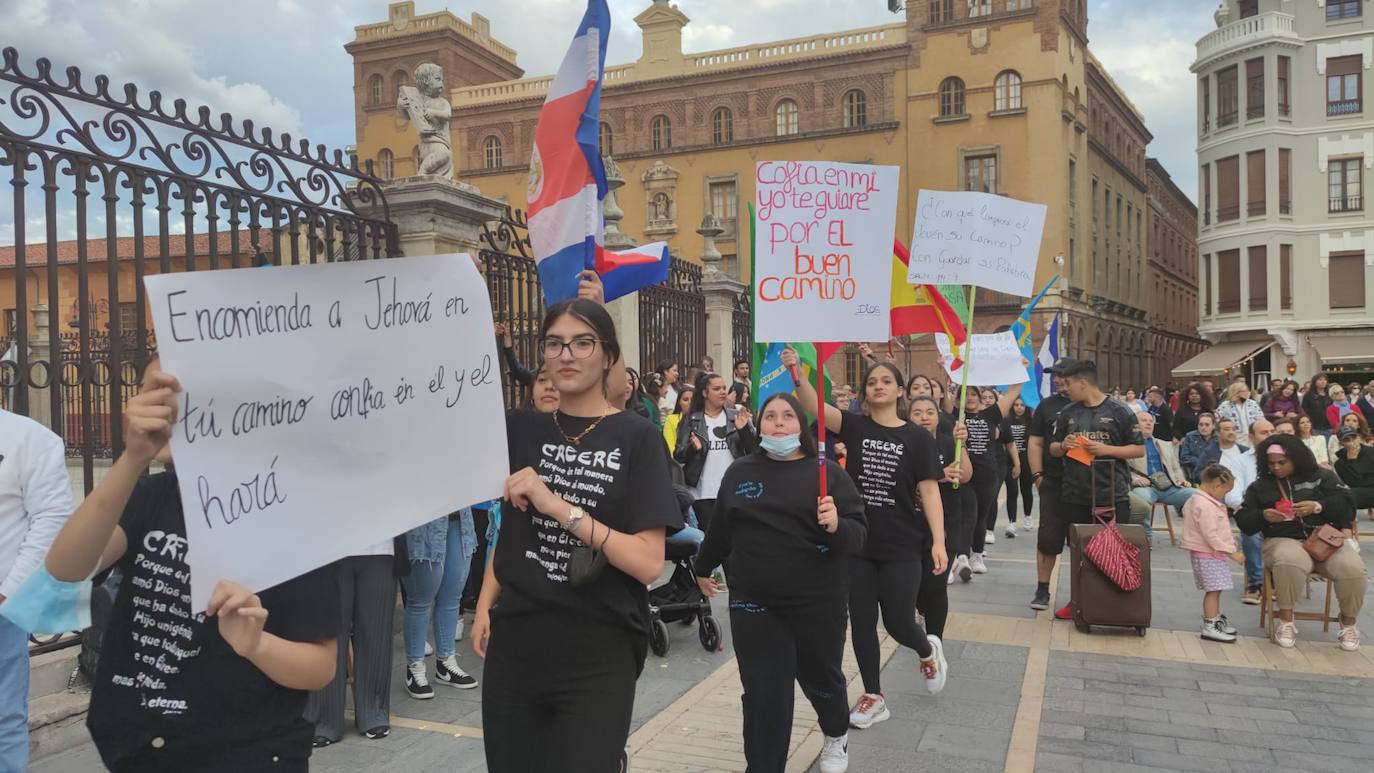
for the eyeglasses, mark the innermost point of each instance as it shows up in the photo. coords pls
(581, 348)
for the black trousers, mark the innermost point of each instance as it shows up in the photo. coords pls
(932, 598)
(889, 586)
(965, 522)
(1024, 485)
(1364, 497)
(774, 648)
(987, 479)
(704, 508)
(477, 569)
(557, 694)
(367, 589)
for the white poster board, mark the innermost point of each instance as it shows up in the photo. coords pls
(969, 238)
(823, 251)
(994, 357)
(326, 408)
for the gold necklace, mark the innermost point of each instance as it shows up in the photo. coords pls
(575, 440)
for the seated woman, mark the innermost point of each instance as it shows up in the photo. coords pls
(1355, 465)
(1290, 498)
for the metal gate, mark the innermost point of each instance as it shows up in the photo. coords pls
(106, 186)
(672, 319)
(517, 297)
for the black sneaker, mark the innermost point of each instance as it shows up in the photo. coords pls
(319, 742)
(380, 731)
(446, 670)
(416, 682)
(1041, 600)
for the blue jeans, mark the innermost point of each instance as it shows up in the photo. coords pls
(1250, 545)
(14, 697)
(1174, 497)
(436, 587)
(688, 535)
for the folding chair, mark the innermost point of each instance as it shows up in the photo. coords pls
(1168, 521)
(1267, 604)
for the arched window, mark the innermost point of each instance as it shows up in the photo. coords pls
(397, 81)
(1008, 90)
(952, 97)
(491, 153)
(787, 118)
(374, 90)
(661, 133)
(722, 126)
(387, 162)
(607, 139)
(855, 109)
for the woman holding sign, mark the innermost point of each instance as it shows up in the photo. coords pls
(896, 467)
(563, 618)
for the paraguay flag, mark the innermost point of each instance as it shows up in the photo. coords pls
(568, 179)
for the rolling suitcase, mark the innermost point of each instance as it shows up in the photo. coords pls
(1096, 599)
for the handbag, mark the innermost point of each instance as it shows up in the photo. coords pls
(1322, 542)
(1108, 550)
(586, 563)
(1161, 481)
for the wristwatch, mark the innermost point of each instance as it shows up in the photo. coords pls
(575, 516)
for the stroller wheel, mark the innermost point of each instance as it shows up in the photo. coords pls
(688, 620)
(710, 634)
(658, 638)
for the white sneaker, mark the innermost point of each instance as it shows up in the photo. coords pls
(990, 538)
(1028, 524)
(871, 710)
(977, 565)
(1285, 634)
(936, 669)
(963, 568)
(458, 632)
(429, 648)
(1212, 631)
(1349, 637)
(835, 755)
(1010, 531)
(952, 574)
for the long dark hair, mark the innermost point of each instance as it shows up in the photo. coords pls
(1312, 384)
(635, 400)
(1304, 462)
(1208, 403)
(699, 397)
(896, 376)
(689, 389)
(808, 441)
(1024, 418)
(594, 316)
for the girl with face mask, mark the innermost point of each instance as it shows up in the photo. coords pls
(787, 553)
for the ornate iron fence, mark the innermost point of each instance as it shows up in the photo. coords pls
(672, 318)
(517, 298)
(117, 186)
(742, 329)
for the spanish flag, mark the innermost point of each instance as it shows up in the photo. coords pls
(920, 308)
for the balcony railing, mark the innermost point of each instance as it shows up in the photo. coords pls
(1228, 119)
(1345, 204)
(1284, 109)
(1228, 213)
(1285, 207)
(1245, 32)
(1255, 111)
(1256, 207)
(1343, 107)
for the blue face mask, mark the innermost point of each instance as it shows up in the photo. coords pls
(780, 447)
(44, 604)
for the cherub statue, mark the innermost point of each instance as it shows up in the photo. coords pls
(430, 113)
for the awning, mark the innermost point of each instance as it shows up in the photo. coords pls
(1220, 357)
(1344, 350)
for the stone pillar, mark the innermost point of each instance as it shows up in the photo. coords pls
(40, 401)
(625, 313)
(625, 310)
(721, 291)
(436, 215)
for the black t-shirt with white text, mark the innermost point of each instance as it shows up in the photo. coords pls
(1110, 422)
(165, 673)
(886, 464)
(1042, 426)
(982, 435)
(619, 474)
(1016, 432)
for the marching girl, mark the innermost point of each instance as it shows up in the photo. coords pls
(895, 465)
(787, 554)
(958, 503)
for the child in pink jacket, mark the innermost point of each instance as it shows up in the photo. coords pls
(1207, 535)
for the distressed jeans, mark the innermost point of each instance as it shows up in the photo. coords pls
(433, 589)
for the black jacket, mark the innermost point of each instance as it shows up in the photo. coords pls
(740, 442)
(1164, 421)
(1338, 505)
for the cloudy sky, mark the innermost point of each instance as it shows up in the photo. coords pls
(282, 63)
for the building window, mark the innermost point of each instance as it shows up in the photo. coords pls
(374, 90)
(952, 97)
(606, 138)
(1073, 181)
(1205, 89)
(1008, 91)
(1284, 104)
(399, 81)
(387, 162)
(661, 133)
(1207, 285)
(1206, 194)
(1285, 187)
(786, 114)
(980, 173)
(1344, 185)
(1345, 274)
(978, 8)
(491, 153)
(724, 202)
(1342, 9)
(1228, 271)
(1344, 77)
(1228, 189)
(1018, 5)
(941, 11)
(1259, 279)
(855, 109)
(1094, 203)
(1228, 99)
(1249, 8)
(1286, 277)
(1254, 88)
(722, 126)
(1255, 183)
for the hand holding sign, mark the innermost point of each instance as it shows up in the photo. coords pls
(992, 358)
(970, 238)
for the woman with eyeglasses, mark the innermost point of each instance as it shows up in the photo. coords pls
(563, 617)
(713, 435)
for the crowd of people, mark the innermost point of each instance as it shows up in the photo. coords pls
(603, 459)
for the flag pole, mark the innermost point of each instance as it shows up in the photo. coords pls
(820, 419)
(963, 389)
(755, 361)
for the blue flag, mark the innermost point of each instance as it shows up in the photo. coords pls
(1021, 329)
(1043, 383)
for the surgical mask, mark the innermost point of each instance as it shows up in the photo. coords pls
(44, 604)
(780, 447)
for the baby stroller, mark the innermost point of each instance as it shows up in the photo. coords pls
(679, 599)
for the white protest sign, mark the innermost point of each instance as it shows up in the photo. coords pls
(326, 408)
(969, 238)
(992, 358)
(823, 246)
